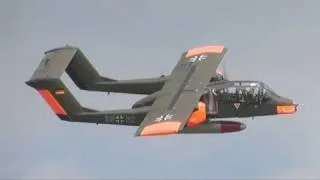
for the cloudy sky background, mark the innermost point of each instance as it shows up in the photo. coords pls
(274, 41)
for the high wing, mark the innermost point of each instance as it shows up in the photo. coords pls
(182, 91)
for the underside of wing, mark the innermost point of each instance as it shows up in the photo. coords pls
(181, 93)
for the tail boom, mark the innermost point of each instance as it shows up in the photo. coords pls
(47, 81)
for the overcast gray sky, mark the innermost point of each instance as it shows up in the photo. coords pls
(273, 41)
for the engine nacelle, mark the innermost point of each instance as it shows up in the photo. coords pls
(198, 116)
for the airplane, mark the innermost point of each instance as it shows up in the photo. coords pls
(196, 98)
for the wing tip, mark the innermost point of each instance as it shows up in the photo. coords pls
(161, 128)
(205, 49)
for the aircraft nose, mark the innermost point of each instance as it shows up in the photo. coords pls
(286, 101)
(288, 108)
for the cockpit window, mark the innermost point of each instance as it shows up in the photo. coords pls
(269, 89)
(247, 84)
(254, 92)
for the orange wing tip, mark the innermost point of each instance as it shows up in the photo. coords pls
(204, 49)
(286, 109)
(162, 128)
(52, 102)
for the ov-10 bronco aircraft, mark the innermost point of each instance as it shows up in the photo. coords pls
(195, 98)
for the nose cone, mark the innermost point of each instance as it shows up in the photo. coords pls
(284, 100)
(243, 126)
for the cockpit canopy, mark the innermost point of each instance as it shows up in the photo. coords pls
(246, 91)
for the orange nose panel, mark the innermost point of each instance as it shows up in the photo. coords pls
(286, 109)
